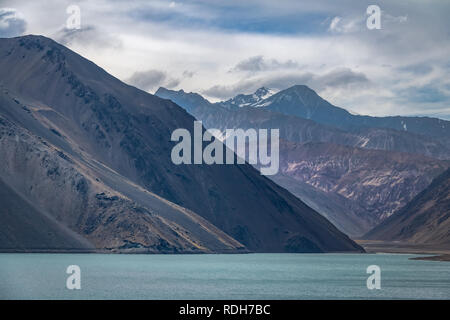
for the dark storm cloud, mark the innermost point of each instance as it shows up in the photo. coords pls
(89, 36)
(152, 79)
(259, 63)
(341, 78)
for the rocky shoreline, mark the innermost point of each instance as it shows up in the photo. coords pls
(435, 253)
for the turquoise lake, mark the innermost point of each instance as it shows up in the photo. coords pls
(246, 276)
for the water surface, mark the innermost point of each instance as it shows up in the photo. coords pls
(243, 276)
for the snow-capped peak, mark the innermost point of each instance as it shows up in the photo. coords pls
(252, 100)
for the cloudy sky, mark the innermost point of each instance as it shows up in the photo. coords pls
(221, 48)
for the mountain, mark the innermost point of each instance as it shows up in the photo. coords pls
(93, 154)
(354, 178)
(424, 220)
(188, 100)
(304, 102)
(56, 197)
(298, 129)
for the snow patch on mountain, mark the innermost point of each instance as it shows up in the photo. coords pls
(252, 100)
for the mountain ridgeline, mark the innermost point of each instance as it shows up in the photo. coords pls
(291, 111)
(304, 102)
(88, 157)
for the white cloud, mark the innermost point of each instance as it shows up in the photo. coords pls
(198, 43)
(12, 23)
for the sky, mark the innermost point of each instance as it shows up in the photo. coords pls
(222, 48)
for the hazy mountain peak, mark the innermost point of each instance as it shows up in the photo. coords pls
(189, 100)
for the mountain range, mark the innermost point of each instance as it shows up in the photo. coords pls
(298, 129)
(86, 166)
(304, 102)
(355, 170)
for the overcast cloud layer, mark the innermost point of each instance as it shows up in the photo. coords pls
(224, 48)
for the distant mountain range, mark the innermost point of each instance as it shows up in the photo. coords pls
(355, 170)
(299, 129)
(86, 166)
(304, 102)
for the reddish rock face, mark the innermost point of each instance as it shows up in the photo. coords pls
(376, 182)
(425, 220)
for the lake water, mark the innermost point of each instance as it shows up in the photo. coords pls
(247, 276)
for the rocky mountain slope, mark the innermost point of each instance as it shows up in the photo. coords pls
(38, 231)
(94, 154)
(424, 220)
(347, 215)
(82, 204)
(378, 183)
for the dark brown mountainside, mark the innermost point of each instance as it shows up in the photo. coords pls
(53, 200)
